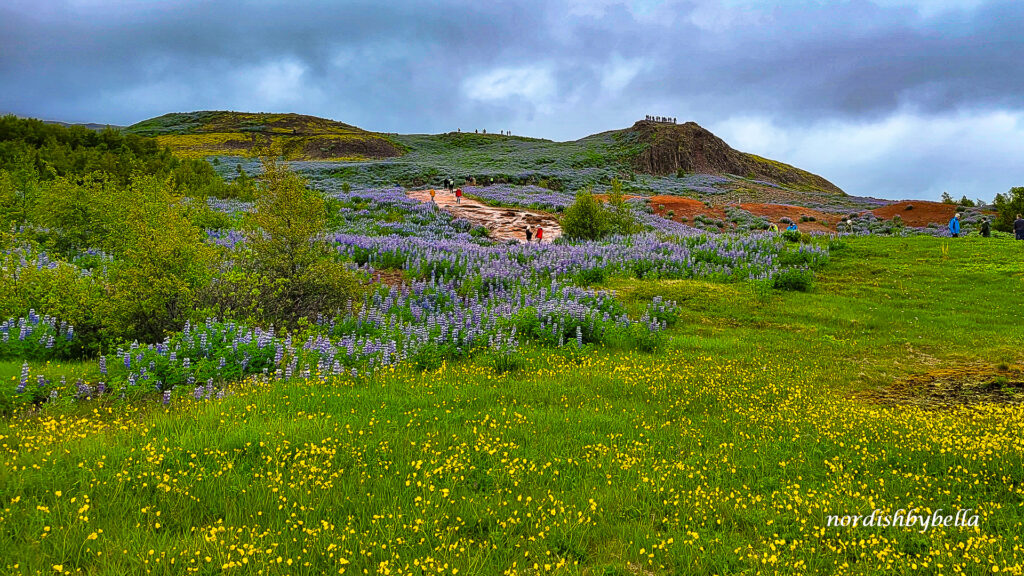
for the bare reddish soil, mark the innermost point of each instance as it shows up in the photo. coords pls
(823, 221)
(501, 223)
(922, 213)
(687, 207)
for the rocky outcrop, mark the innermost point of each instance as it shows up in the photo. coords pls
(667, 149)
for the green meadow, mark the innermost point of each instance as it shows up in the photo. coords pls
(894, 385)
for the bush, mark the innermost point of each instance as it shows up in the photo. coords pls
(36, 338)
(795, 279)
(287, 254)
(791, 235)
(585, 219)
(636, 336)
(591, 276)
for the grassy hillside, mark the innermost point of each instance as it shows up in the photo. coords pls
(651, 158)
(299, 137)
(725, 452)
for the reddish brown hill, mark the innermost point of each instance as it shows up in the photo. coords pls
(665, 149)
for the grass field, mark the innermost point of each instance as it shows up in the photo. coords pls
(725, 452)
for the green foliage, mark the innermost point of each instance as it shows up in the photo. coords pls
(1008, 206)
(620, 217)
(161, 264)
(588, 219)
(591, 276)
(791, 235)
(585, 219)
(61, 291)
(966, 202)
(79, 211)
(34, 151)
(13, 201)
(947, 199)
(796, 279)
(286, 251)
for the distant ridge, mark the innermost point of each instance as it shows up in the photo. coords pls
(295, 136)
(89, 125)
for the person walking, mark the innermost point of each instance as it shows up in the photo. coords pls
(458, 195)
(529, 234)
(540, 235)
(432, 192)
(986, 229)
(954, 225)
(1018, 228)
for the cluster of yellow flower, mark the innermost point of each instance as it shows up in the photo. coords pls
(607, 462)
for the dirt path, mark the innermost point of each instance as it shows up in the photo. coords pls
(503, 223)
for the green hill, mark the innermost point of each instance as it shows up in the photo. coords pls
(296, 136)
(654, 157)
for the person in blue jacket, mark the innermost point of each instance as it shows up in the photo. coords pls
(791, 227)
(954, 225)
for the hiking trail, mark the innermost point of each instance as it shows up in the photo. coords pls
(502, 222)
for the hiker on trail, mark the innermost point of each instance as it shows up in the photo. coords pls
(529, 234)
(954, 225)
(1018, 228)
(458, 195)
(432, 192)
(791, 227)
(540, 234)
(986, 229)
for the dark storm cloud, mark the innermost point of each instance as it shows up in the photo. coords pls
(851, 59)
(560, 69)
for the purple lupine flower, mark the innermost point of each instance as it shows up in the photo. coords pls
(24, 378)
(103, 365)
(167, 397)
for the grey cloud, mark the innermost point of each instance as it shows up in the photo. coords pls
(402, 65)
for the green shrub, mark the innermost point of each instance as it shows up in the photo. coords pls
(795, 279)
(591, 276)
(585, 219)
(791, 235)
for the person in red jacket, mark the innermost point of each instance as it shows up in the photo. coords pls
(540, 234)
(458, 195)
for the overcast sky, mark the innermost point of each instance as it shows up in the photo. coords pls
(885, 98)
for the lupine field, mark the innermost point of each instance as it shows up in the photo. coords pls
(294, 372)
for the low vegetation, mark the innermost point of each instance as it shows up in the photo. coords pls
(302, 376)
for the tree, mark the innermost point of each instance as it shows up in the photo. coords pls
(585, 219)
(161, 262)
(287, 254)
(966, 202)
(80, 211)
(619, 214)
(1008, 206)
(947, 199)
